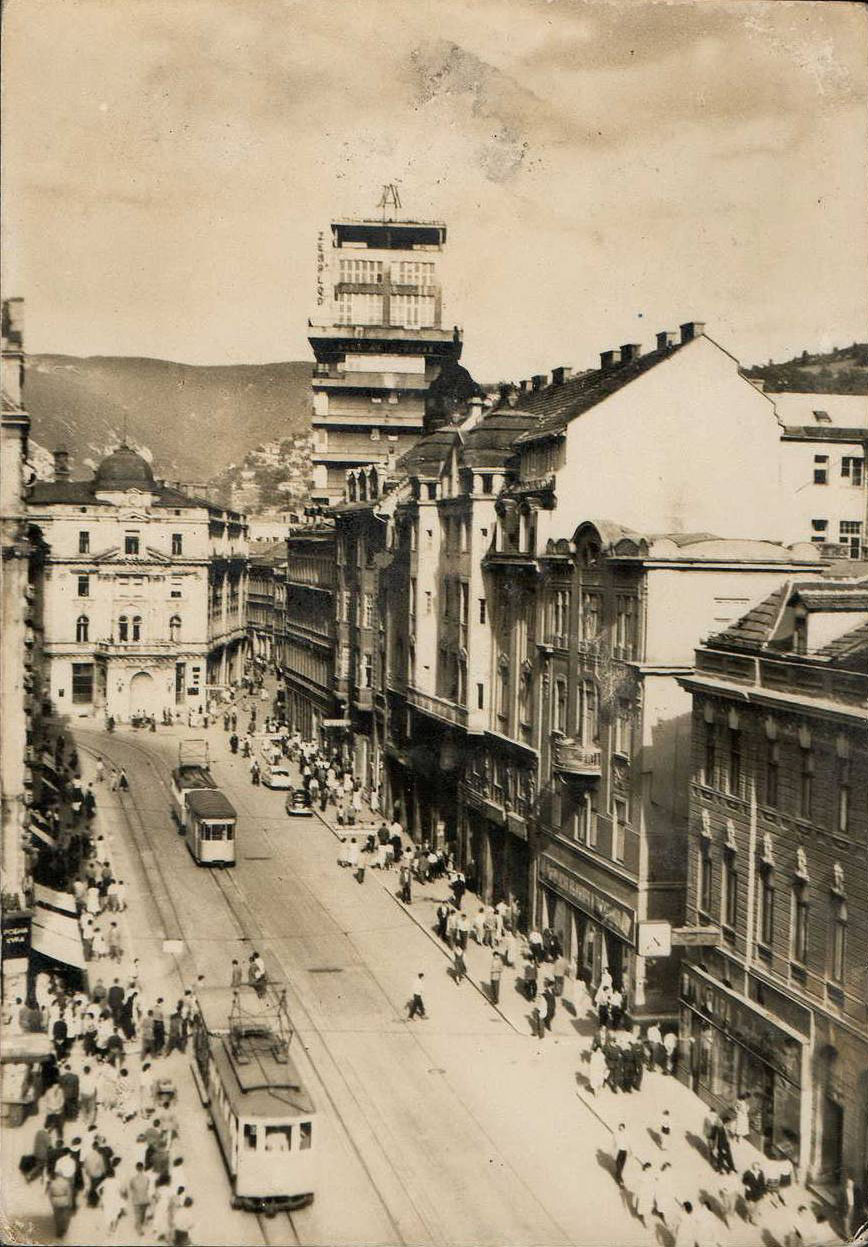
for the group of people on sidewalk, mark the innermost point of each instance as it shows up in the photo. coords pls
(99, 1081)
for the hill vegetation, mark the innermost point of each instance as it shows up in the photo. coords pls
(194, 421)
(842, 371)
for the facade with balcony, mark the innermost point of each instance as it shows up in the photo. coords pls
(778, 839)
(309, 665)
(145, 592)
(618, 617)
(21, 662)
(266, 604)
(379, 340)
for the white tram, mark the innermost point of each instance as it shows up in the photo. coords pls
(190, 775)
(263, 1115)
(210, 827)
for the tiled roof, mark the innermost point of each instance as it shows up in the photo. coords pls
(853, 642)
(83, 493)
(756, 628)
(429, 454)
(834, 598)
(492, 442)
(555, 405)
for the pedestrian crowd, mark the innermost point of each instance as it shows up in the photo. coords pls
(105, 1129)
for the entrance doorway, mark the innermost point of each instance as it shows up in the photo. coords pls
(143, 694)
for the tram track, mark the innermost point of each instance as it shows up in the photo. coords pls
(248, 927)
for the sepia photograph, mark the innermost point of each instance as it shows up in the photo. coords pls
(434, 623)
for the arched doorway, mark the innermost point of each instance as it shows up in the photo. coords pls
(143, 694)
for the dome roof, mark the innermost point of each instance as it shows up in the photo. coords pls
(124, 469)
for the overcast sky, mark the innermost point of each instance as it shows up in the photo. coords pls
(605, 170)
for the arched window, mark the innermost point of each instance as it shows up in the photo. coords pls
(175, 628)
(123, 628)
(137, 627)
(82, 625)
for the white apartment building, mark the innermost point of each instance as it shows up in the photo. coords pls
(823, 467)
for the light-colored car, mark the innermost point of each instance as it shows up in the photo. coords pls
(277, 775)
(296, 804)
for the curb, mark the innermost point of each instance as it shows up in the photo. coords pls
(427, 931)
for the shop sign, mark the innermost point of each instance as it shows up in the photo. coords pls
(740, 1022)
(654, 939)
(696, 937)
(16, 935)
(607, 912)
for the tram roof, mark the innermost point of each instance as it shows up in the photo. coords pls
(193, 775)
(210, 803)
(260, 1079)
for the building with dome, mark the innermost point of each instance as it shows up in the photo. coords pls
(145, 591)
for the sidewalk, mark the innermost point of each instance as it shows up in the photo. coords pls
(26, 1205)
(639, 1111)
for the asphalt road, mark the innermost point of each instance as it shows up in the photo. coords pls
(453, 1130)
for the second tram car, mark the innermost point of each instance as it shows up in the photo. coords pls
(210, 827)
(263, 1115)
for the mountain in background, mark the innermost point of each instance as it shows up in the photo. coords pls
(195, 421)
(842, 371)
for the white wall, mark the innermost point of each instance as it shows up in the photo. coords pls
(689, 446)
(836, 501)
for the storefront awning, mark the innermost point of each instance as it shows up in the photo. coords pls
(36, 830)
(57, 900)
(57, 936)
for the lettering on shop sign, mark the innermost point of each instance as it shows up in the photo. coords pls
(606, 912)
(16, 935)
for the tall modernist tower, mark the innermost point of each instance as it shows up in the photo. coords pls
(378, 340)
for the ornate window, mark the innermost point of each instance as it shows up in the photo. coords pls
(123, 628)
(175, 628)
(82, 627)
(137, 627)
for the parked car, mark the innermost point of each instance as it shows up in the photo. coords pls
(297, 805)
(276, 774)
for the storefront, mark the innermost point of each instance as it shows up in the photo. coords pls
(597, 932)
(495, 841)
(730, 1047)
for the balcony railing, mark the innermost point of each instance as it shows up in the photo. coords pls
(438, 707)
(571, 757)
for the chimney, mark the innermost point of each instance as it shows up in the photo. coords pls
(630, 351)
(560, 375)
(607, 360)
(61, 465)
(538, 380)
(666, 339)
(522, 385)
(691, 329)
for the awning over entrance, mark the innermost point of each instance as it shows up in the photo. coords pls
(36, 830)
(57, 936)
(57, 900)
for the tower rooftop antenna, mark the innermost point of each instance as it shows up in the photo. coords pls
(390, 199)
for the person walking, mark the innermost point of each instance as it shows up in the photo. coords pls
(754, 1184)
(123, 782)
(236, 977)
(665, 1130)
(537, 1018)
(139, 1195)
(159, 1027)
(182, 1223)
(741, 1119)
(620, 1152)
(550, 1002)
(87, 1096)
(416, 1004)
(670, 1046)
(459, 968)
(100, 770)
(495, 974)
(256, 975)
(529, 978)
(597, 1071)
(60, 1196)
(70, 1085)
(644, 1194)
(405, 885)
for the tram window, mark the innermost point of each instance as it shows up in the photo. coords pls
(230, 831)
(278, 1138)
(250, 1137)
(305, 1130)
(216, 831)
(204, 831)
